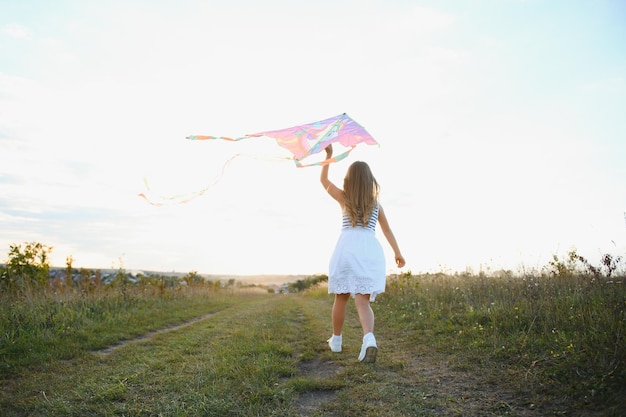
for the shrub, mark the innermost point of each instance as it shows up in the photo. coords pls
(28, 265)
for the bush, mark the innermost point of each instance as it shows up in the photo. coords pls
(28, 265)
(305, 284)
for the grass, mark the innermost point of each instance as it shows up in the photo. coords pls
(238, 362)
(458, 345)
(551, 336)
(40, 326)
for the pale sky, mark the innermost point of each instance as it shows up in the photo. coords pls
(501, 123)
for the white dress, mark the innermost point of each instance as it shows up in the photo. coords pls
(357, 265)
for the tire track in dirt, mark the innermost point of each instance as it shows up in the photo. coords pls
(108, 350)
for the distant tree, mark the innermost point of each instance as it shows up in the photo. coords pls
(305, 284)
(28, 265)
(193, 278)
(214, 285)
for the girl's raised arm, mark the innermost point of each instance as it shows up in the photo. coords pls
(330, 188)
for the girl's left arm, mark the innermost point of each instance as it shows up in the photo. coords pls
(384, 225)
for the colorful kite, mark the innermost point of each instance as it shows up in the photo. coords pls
(306, 140)
(301, 141)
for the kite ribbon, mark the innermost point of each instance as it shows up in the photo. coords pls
(182, 198)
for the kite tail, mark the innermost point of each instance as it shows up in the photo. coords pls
(177, 199)
(187, 197)
(201, 137)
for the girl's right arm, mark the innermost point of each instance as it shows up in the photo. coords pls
(330, 188)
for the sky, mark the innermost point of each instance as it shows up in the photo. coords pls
(500, 122)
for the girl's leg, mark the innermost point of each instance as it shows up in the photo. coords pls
(366, 315)
(339, 312)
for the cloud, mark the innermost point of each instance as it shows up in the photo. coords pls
(15, 95)
(17, 31)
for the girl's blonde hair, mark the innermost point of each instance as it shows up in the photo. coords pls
(360, 193)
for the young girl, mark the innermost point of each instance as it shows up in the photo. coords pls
(357, 266)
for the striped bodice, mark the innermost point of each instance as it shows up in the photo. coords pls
(370, 226)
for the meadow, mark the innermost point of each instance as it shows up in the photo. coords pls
(549, 342)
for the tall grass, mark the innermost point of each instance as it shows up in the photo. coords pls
(40, 325)
(563, 334)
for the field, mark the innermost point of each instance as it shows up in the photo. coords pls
(545, 344)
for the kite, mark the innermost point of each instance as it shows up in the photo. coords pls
(306, 140)
(302, 141)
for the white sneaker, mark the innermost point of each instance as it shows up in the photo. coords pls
(335, 343)
(368, 349)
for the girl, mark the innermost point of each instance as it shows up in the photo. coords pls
(357, 266)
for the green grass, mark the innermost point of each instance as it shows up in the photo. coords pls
(42, 326)
(449, 345)
(238, 362)
(563, 337)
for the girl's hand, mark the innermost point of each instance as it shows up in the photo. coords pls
(329, 151)
(400, 261)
